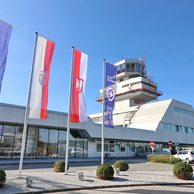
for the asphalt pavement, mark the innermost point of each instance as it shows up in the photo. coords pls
(169, 189)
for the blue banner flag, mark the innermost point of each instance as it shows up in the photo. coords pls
(110, 94)
(5, 33)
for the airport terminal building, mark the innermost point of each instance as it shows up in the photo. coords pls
(136, 124)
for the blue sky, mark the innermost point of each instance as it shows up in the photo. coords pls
(162, 31)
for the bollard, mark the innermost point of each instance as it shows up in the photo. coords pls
(117, 171)
(28, 181)
(81, 176)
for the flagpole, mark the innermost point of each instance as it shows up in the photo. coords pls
(102, 151)
(69, 113)
(27, 109)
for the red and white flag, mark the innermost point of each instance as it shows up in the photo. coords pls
(39, 90)
(78, 104)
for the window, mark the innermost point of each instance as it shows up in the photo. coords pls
(53, 143)
(163, 126)
(141, 69)
(7, 144)
(127, 148)
(173, 128)
(123, 67)
(132, 67)
(42, 141)
(180, 129)
(9, 130)
(106, 146)
(146, 147)
(18, 139)
(123, 146)
(183, 111)
(85, 147)
(111, 146)
(62, 143)
(32, 138)
(136, 147)
(186, 129)
(190, 130)
(137, 67)
(99, 146)
(79, 148)
(117, 147)
(118, 69)
(177, 128)
(141, 147)
(128, 67)
(132, 147)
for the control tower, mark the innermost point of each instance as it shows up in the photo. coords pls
(134, 88)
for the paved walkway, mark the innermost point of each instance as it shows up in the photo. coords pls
(52, 182)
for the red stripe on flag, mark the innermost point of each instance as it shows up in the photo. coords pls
(50, 47)
(75, 94)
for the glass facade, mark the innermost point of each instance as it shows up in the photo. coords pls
(40, 143)
(130, 146)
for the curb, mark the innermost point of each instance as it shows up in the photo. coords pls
(49, 162)
(108, 186)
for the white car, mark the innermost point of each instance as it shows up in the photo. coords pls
(185, 155)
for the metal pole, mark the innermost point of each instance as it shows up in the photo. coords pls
(170, 155)
(102, 151)
(68, 118)
(27, 109)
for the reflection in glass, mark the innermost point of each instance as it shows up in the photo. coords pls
(7, 144)
(123, 146)
(72, 148)
(62, 144)
(9, 130)
(18, 139)
(111, 146)
(85, 147)
(79, 148)
(42, 141)
(32, 137)
(118, 69)
(52, 146)
(123, 67)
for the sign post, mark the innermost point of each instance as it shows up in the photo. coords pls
(170, 147)
(152, 146)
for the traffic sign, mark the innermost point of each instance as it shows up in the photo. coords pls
(170, 143)
(152, 143)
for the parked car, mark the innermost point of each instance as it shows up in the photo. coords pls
(186, 156)
(78, 150)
